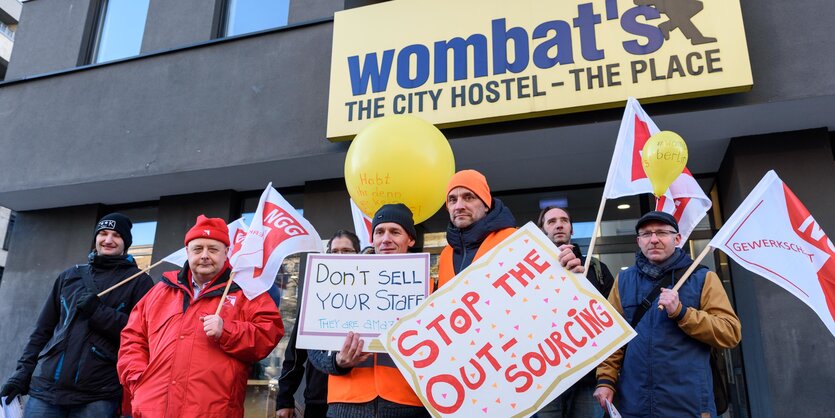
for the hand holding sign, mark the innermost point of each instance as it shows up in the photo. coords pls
(351, 353)
(664, 157)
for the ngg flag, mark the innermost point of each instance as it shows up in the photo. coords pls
(685, 199)
(276, 231)
(773, 235)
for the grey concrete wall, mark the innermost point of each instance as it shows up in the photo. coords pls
(46, 243)
(302, 11)
(177, 214)
(256, 102)
(787, 349)
(172, 24)
(327, 207)
(52, 35)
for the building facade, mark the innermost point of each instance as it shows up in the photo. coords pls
(165, 110)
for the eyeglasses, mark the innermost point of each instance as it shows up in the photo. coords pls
(342, 251)
(660, 234)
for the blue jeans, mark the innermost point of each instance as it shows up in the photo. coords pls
(36, 408)
(576, 402)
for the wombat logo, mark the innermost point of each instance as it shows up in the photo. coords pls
(680, 14)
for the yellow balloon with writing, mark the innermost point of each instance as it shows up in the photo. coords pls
(399, 159)
(664, 157)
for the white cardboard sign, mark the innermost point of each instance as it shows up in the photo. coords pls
(365, 294)
(507, 335)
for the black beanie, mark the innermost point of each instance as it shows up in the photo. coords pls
(397, 213)
(119, 223)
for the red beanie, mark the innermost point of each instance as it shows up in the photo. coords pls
(475, 182)
(211, 228)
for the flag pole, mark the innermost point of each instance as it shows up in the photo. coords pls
(594, 232)
(139, 273)
(225, 292)
(689, 271)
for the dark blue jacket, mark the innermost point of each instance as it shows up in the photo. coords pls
(665, 372)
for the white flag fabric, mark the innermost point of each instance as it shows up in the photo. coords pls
(685, 199)
(237, 233)
(773, 235)
(237, 230)
(277, 230)
(362, 225)
(178, 258)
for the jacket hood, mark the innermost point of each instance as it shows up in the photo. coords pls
(110, 261)
(499, 217)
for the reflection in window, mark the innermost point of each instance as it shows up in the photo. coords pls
(121, 26)
(245, 16)
(142, 247)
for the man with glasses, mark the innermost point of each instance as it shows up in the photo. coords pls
(665, 370)
(295, 363)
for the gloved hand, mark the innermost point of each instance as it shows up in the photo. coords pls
(10, 391)
(87, 304)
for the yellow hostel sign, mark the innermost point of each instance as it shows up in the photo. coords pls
(464, 62)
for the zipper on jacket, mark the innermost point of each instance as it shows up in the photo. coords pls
(58, 368)
(66, 308)
(121, 305)
(463, 256)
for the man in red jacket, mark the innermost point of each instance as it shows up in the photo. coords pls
(179, 359)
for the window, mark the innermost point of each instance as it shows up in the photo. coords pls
(9, 229)
(7, 30)
(245, 16)
(120, 30)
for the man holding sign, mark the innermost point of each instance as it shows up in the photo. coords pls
(477, 223)
(665, 370)
(365, 384)
(179, 359)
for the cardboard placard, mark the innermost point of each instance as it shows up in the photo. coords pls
(507, 335)
(365, 294)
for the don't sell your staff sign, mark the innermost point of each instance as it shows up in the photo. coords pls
(507, 335)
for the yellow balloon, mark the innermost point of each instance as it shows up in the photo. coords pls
(664, 157)
(399, 159)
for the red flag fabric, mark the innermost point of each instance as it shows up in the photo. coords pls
(773, 235)
(685, 199)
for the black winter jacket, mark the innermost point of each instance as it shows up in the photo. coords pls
(70, 359)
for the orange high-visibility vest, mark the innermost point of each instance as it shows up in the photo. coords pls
(445, 269)
(377, 376)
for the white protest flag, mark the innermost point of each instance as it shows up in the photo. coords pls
(685, 199)
(362, 225)
(178, 258)
(277, 230)
(237, 230)
(773, 235)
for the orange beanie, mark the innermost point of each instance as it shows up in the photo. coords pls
(475, 182)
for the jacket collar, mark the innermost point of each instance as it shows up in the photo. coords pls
(499, 217)
(182, 280)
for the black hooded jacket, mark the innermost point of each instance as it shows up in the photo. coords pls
(465, 242)
(70, 359)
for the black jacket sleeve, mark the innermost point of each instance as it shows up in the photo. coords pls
(292, 373)
(108, 320)
(44, 328)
